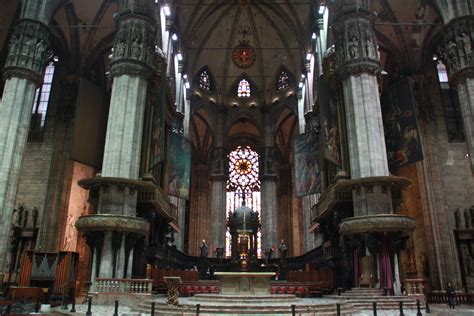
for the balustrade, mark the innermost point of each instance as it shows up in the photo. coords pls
(134, 286)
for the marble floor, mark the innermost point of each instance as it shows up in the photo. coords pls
(436, 310)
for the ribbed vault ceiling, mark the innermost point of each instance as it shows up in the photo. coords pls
(278, 30)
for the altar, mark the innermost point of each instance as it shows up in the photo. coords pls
(244, 283)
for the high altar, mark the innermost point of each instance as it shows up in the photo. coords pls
(244, 283)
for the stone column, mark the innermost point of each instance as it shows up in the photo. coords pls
(458, 44)
(458, 40)
(218, 178)
(23, 73)
(132, 65)
(268, 168)
(358, 64)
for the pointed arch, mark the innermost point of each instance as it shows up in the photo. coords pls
(234, 88)
(284, 79)
(204, 80)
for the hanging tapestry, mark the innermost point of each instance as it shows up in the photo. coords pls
(307, 172)
(179, 166)
(158, 127)
(401, 129)
(329, 122)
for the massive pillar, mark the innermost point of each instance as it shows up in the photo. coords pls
(23, 73)
(218, 178)
(269, 179)
(132, 65)
(374, 223)
(458, 40)
(458, 43)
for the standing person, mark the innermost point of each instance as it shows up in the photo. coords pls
(451, 295)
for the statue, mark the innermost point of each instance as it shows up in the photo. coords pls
(268, 255)
(283, 249)
(204, 249)
(467, 219)
(457, 218)
(34, 215)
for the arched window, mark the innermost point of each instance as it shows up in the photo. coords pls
(452, 111)
(243, 185)
(204, 81)
(40, 105)
(442, 71)
(243, 90)
(283, 81)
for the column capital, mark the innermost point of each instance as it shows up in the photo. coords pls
(356, 47)
(356, 43)
(458, 43)
(134, 48)
(343, 7)
(28, 51)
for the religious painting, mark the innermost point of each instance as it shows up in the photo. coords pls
(401, 129)
(307, 172)
(158, 127)
(179, 166)
(329, 123)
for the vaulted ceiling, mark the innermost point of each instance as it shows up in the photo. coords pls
(279, 30)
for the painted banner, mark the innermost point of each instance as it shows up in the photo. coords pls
(329, 123)
(179, 166)
(158, 128)
(307, 175)
(401, 129)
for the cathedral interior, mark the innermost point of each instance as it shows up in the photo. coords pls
(326, 141)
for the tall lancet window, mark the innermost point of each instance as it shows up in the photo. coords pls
(40, 105)
(243, 90)
(283, 81)
(243, 185)
(205, 81)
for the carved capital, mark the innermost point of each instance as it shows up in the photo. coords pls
(458, 42)
(356, 46)
(134, 48)
(28, 51)
(342, 7)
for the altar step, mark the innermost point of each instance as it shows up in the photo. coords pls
(222, 298)
(242, 307)
(362, 298)
(248, 309)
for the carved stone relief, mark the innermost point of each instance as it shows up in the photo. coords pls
(458, 41)
(134, 49)
(28, 51)
(356, 46)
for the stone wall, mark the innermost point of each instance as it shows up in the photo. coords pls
(199, 226)
(444, 181)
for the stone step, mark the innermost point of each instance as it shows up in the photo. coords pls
(220, 298)
(323, 309)
(368, 297)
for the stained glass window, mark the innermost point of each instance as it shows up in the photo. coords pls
(283, 81)
(243, 90)
(40, 105)
(243, 184)
(205, 81)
